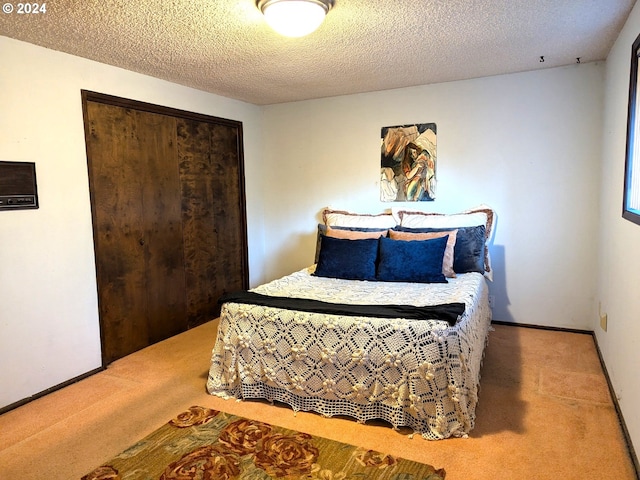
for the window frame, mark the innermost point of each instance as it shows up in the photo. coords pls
(632, 157)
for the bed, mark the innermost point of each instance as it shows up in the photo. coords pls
(419, 368)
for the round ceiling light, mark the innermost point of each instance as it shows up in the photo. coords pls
(294, 18)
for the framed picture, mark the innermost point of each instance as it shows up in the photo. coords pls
(408, 163)
(631, 198)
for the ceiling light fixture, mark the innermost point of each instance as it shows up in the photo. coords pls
(294, 18)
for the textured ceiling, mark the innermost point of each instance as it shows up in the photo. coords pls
(225, 47)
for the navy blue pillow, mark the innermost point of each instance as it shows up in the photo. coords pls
(468, 253)
(322, 231)
(348, 259)
(412, 261)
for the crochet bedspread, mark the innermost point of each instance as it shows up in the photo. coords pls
(421, 374)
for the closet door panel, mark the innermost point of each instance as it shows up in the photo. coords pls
(118, 223)
(168, 206)
(227, 182)
(163, 254)
(212, 248)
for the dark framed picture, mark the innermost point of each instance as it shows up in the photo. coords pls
(408, 163)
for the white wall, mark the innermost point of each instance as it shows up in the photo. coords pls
(526, 144)
(619, 267)
(49, 330)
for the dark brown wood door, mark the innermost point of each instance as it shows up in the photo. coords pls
(169, 225)
(212, 218)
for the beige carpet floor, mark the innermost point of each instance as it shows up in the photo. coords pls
(545, 413)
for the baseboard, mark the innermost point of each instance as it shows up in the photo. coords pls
(614, 398)
(24, 401)
(543, 327)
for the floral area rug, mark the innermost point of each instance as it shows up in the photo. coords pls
(210, 445)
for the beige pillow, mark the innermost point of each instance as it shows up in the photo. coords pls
(341, 218)
(447, 260)
(355, 234)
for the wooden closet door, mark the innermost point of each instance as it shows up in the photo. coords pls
(168, 206)
(137, 227)
(164, 259)
(213, 218)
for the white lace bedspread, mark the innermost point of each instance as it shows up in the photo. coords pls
(411, 373)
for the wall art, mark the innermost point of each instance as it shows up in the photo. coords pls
(408, 163)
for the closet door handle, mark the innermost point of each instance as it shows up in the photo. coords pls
(141, 241)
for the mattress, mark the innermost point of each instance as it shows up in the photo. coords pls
(420, 374)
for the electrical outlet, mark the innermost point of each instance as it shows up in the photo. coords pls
(492, 300)
(603, 322)
(603, 317)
